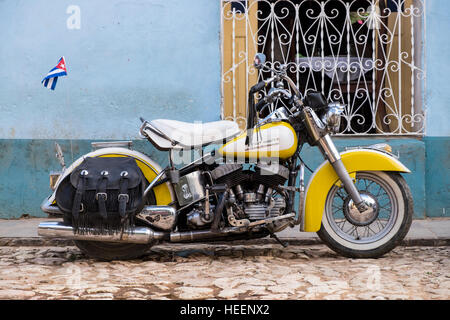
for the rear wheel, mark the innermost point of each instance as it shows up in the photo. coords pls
(108, 251)
(375, 232)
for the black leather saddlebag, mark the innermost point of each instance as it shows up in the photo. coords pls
(102, 194)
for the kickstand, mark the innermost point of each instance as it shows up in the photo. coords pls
(273, 235)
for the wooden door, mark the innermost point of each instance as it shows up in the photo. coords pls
(240, 29)
(396, 96)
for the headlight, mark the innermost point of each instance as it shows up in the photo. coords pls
(332, 116)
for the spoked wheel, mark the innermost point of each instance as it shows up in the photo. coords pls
(377, 230)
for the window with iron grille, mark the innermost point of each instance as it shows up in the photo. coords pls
(367, 54)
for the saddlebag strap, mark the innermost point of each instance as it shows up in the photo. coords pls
(123, 196)
(101, 194)
(76, 208)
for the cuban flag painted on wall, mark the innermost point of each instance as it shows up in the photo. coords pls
(52, 76)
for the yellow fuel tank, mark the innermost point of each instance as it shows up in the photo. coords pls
(271, 140)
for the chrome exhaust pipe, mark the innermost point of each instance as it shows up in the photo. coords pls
(56, 229)
(191, 236)
(211, 234)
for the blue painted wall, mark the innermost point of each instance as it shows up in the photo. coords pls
(129, 58)
(155, 58)
(26, 164)
(437, 138)
(438, 68)
(437, 172)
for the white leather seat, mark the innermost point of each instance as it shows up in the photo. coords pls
(191, 134)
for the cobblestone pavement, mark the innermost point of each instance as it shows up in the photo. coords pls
(225, 272)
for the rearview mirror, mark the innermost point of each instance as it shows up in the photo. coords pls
(260, 59)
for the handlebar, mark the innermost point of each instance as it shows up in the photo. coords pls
(279, 75)
(261, 104)
(258, 87)
(273, 93)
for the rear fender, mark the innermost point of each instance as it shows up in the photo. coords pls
(325, 177)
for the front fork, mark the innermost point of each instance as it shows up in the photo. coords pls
(330, 153)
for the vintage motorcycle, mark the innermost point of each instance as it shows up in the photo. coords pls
(117, 202)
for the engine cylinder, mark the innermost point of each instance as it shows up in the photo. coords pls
(259, 211)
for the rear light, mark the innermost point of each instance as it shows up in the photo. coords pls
(54, 176)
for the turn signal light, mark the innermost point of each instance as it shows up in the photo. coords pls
(382, 146)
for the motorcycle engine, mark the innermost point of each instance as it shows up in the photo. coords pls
(253, 206)
(251, 195)
(197, 218)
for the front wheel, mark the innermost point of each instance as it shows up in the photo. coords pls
(375, 232)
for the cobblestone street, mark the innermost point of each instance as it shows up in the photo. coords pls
(225, 272)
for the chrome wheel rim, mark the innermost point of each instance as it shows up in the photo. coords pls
(377, 225)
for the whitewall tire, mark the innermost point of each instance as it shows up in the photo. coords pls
(379, 232)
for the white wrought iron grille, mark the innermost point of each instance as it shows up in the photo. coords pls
(367, 54)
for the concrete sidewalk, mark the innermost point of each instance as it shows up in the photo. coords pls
(427, 232)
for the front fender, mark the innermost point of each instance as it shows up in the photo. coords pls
(325, 177)
(164, 194)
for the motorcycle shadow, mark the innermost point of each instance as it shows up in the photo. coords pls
(179, 253)
(57, 256)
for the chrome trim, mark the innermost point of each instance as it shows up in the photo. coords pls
(380, 146)
(313, 124)
(111, 144)
(56, 229)
(188, 236)
(150, 186)
(292, 85)
(190, 188)
(332, 116)
(155, 130)
(349, 186)
(363, 218)
(161, 217)
(300, 211)
(328, 149)
(275, 92)
(276, 115)
(199, 218)
(330, 153)
(49, 208)
(205, 234)
(376, 147)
